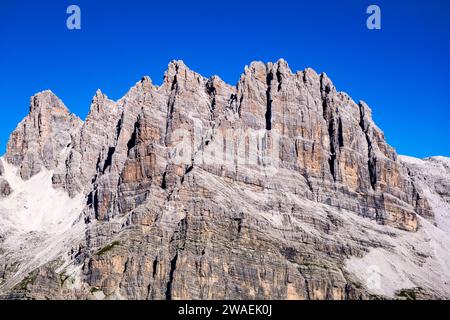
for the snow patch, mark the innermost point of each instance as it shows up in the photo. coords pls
(35, 205)
(39, 224)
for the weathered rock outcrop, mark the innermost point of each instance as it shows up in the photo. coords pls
(198, 189)
(90, 146)
(40, 139)
(5, 189)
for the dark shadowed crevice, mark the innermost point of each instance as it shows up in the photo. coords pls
(372, 160)
(175, 82)
(268, 114)
(95, 204)
(189, 169)
(332, 159)
(108, 160)
(211, 91)
(330, 121)
(126, 266)
(119, 127)
(241, 100)
(178, 240)
(232, 103)
(340, 134)
(171, 107)
(134, 137)
(173, 267)
(164, 181)
(308, 182)
(97, 165)
(372, 171)
(213, 104)
(308, 292)
(279, 79)
(155, 266)
(239, 224)
(186, 172)
(92, 201)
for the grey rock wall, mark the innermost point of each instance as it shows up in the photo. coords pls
(258, 208)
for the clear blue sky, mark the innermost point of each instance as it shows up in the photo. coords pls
(401, 71)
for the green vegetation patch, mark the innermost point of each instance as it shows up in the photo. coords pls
(29, 279)
(62, 278)
(411, 294)
(95, 289)
(107, 248)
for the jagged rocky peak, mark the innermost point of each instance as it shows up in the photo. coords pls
(178, 78)
(90, 144)
(145, 84)
(100, 104)
(99, 97)
(38, 140)
(47, 100)
(259, 70)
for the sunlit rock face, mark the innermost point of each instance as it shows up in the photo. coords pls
(40, 138)
(275, 188)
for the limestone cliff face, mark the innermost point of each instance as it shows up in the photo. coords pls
(196, 189)
(40, 138)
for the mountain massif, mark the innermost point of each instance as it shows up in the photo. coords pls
(280, 187)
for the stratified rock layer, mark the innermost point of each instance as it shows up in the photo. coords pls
(199, 190)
